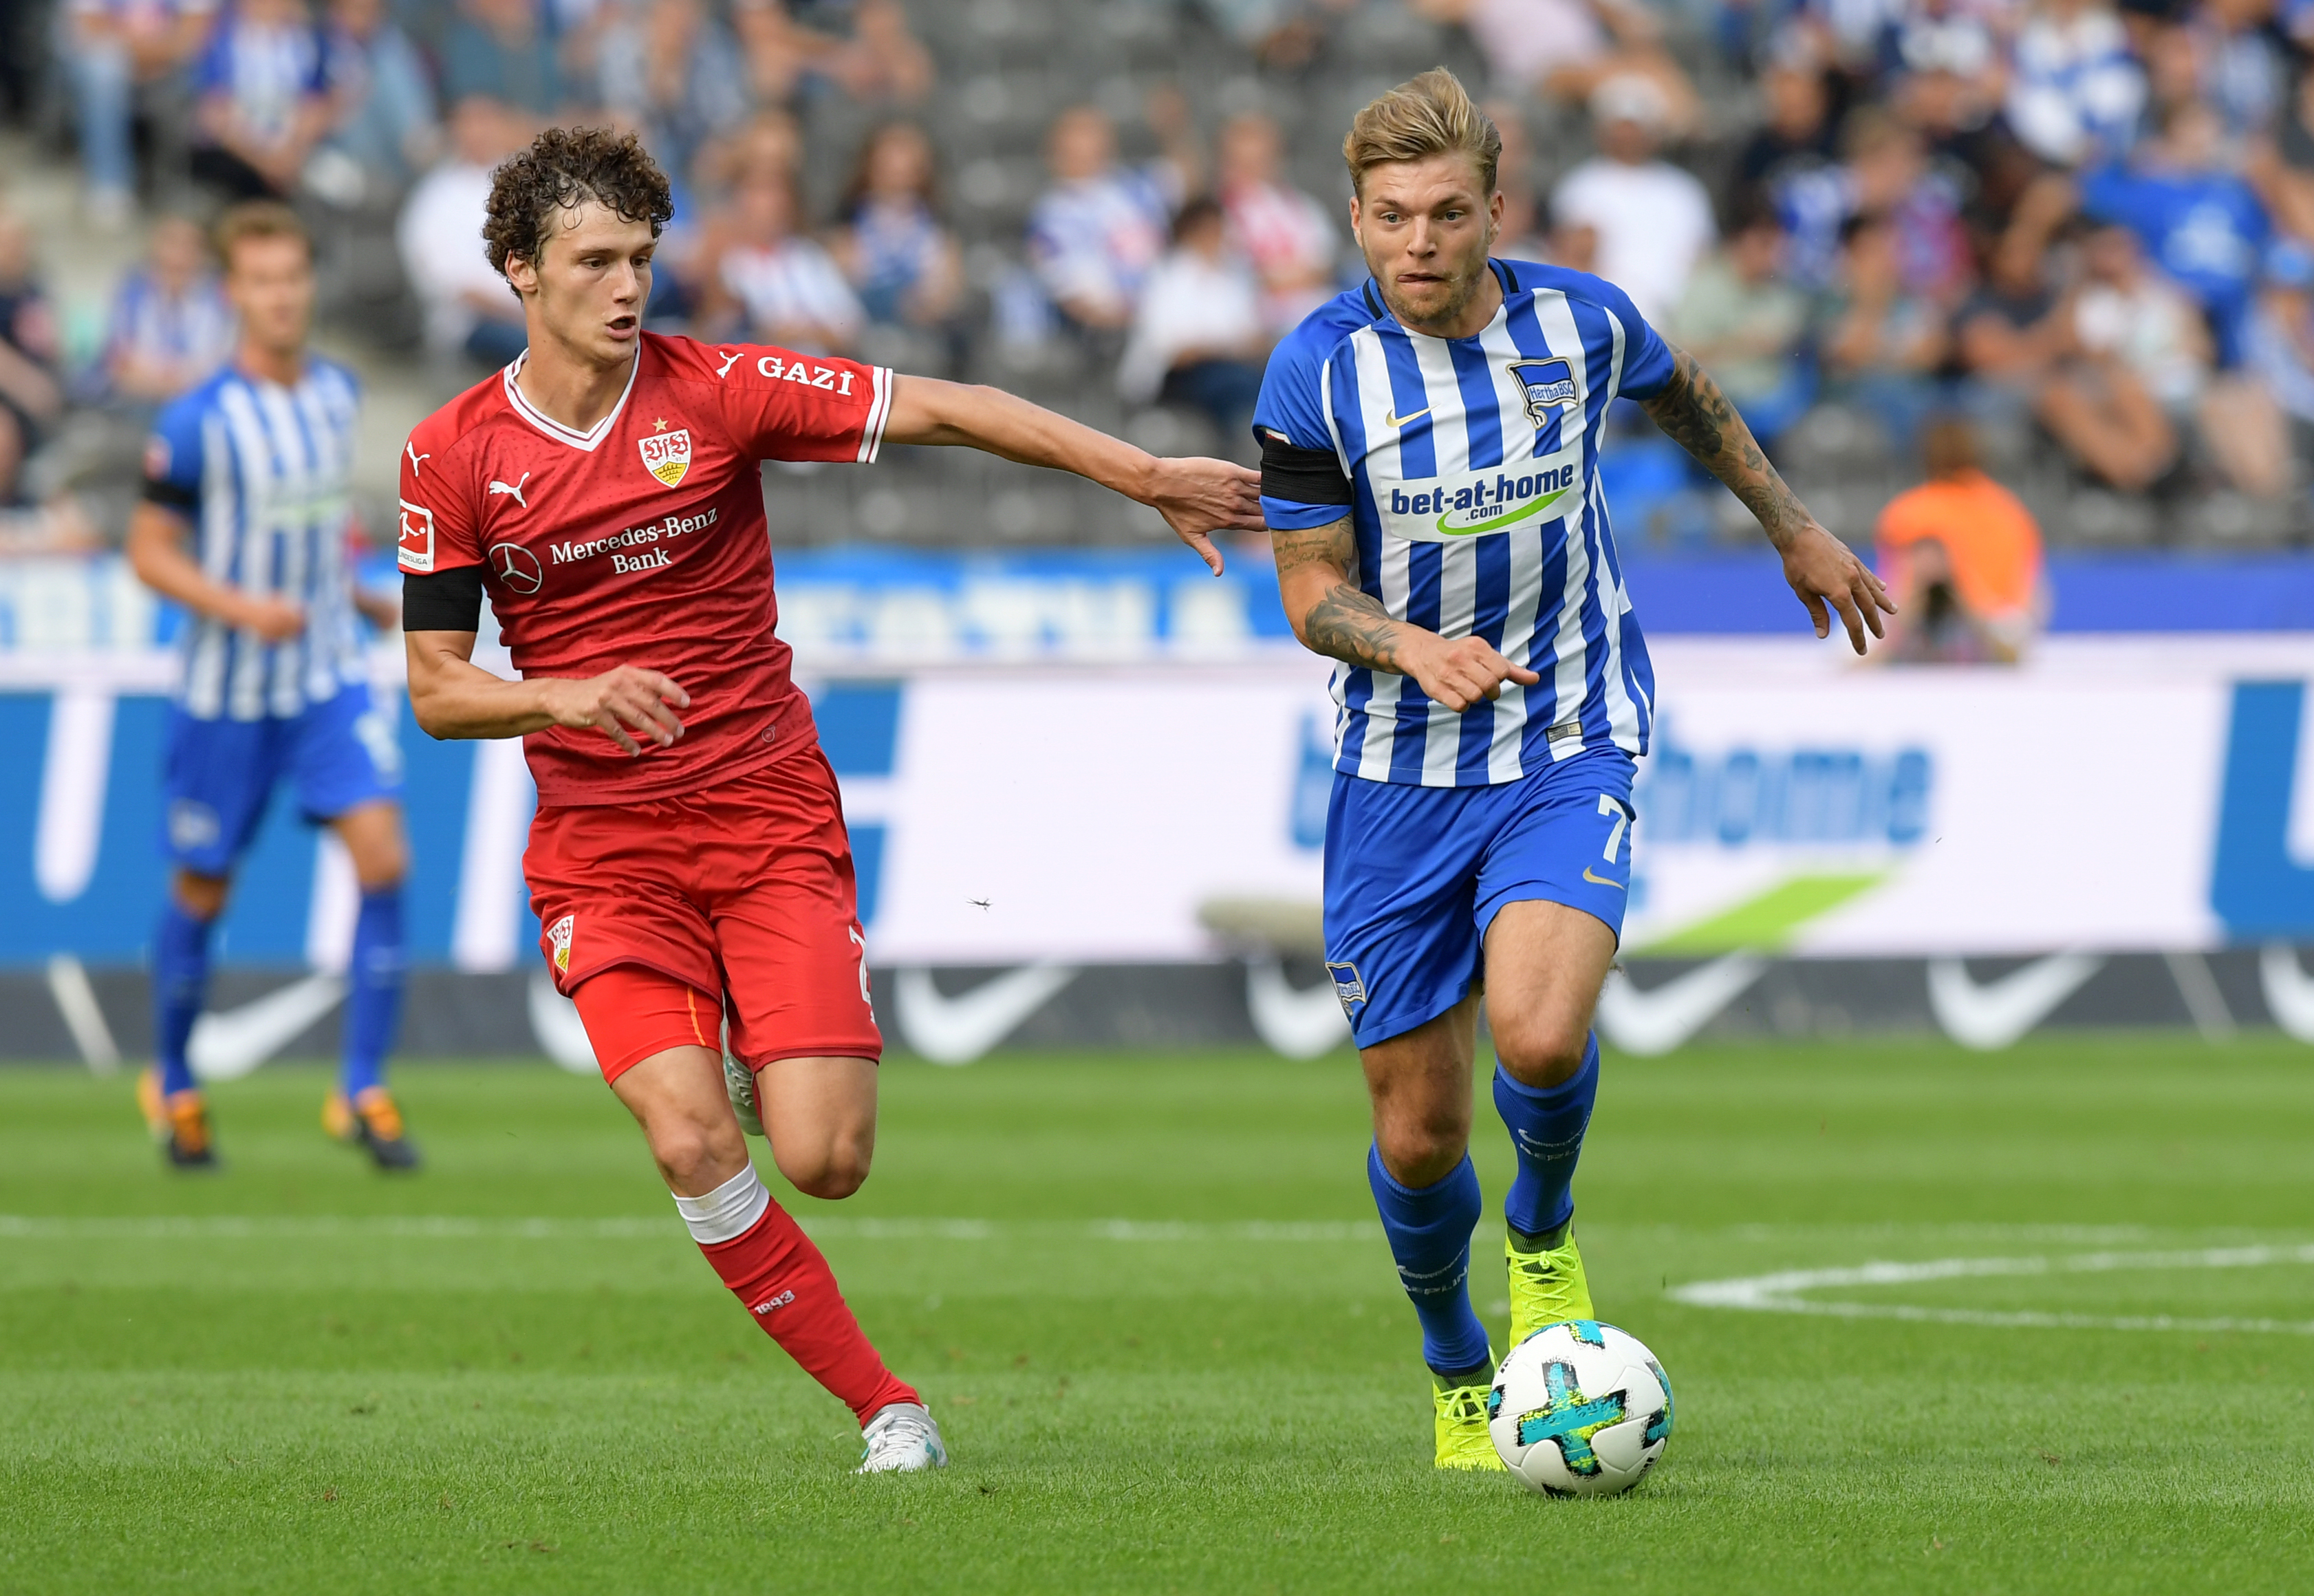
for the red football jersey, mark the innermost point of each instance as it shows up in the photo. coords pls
(641, 542)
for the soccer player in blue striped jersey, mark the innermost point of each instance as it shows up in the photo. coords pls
(1430, 452)
(249, 471)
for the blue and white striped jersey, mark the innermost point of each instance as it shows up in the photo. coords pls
(259, 470)
(1470, 475)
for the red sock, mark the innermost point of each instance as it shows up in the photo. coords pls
(775, 1270)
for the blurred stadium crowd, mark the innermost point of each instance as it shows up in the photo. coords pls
(2090, 230)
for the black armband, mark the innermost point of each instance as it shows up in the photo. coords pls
(444, 601)
(1303, 476)
(172, 496)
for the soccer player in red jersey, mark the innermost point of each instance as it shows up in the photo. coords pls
(689, 861)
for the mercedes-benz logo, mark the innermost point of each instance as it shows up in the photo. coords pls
(516, 567)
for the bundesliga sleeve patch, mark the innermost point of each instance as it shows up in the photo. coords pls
(415, 548)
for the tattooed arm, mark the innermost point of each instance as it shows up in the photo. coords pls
(1317, 575)
(1821, 568)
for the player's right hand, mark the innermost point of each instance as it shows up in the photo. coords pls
(1461, 673)
(628, 696)
(274, 620)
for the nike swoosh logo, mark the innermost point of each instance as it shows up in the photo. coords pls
(958, 1030)
(1394, 420)
(1658, 1019)
(554, 1021)
(2289, 994)
(1999, 1012)
(1297, 1022)
(1600, 880)
(227, 1046)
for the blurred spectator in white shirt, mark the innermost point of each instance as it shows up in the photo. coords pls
(1198, 334)
(1099, 229)
(264, 100)
(2125, 311)
(171, 326)
(1566, 49)
(675, 72)
(1653, 220)
(386, 124)
(1741, 317)
(2074, 89)
(902, 261)
(469, 308)
(113, 49)
(768, 283)
(1289, 237)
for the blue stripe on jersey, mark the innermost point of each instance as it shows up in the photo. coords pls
(1474, 518)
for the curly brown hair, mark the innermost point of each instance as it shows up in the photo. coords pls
(563, 169)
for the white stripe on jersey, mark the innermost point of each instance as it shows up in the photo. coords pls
(1484, 519)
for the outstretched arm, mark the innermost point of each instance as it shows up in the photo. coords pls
(1334, 616)
(1821, 568)
(1197, 497)
(450, 696)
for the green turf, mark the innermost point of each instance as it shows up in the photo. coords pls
(380, 1385)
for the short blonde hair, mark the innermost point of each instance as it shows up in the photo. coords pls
(256, 218)
(1426, 115)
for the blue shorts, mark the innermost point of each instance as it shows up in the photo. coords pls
(1416, 875)
(340, 755)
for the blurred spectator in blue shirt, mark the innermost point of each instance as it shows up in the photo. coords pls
(2074, 88)
(902, 261)
(264, 100)
(502, 50)
(673, 71)
(386, 123)
(170, 325)
(113, 49)
(1099, 229)
(1883, 341)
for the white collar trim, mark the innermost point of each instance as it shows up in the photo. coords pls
(583, 441)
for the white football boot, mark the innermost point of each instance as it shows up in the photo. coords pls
(901, 1438)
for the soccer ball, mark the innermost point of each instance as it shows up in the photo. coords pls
(1580, 1409)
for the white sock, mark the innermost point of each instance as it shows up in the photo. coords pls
(728, 1212)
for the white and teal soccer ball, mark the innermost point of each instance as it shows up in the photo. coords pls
(1580, 1409)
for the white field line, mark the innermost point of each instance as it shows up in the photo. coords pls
(457, 1227)
(1780, 1292)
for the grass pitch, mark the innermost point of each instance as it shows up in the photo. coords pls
(1148, 1300)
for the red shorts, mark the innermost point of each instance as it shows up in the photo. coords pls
(742, 892)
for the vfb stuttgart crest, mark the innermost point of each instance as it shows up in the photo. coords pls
(1549, 386)
(558, 938)
(667, 456)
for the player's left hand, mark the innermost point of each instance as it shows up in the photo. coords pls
(1823, 570)
(1199, 497)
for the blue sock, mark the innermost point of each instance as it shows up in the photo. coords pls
(1546, 1129)
(374, 1005)
(181, 984)
(1430, 1233)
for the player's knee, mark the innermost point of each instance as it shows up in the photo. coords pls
(694, 1155)
(831, 1172)
(200, 897)
(1541, 1050)
(1420, 1153)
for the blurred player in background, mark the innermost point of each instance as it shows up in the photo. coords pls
(689, 863)
(1430, 447)
(244, 523)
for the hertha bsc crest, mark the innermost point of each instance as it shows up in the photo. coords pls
(558, 937)
(1549, 386)
(667, 456)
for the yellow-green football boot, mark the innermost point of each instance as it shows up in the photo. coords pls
(1463, 1440)
(1547, 1285)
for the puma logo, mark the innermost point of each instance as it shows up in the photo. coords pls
(729, 360)
(411, 449)
(513, 490)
